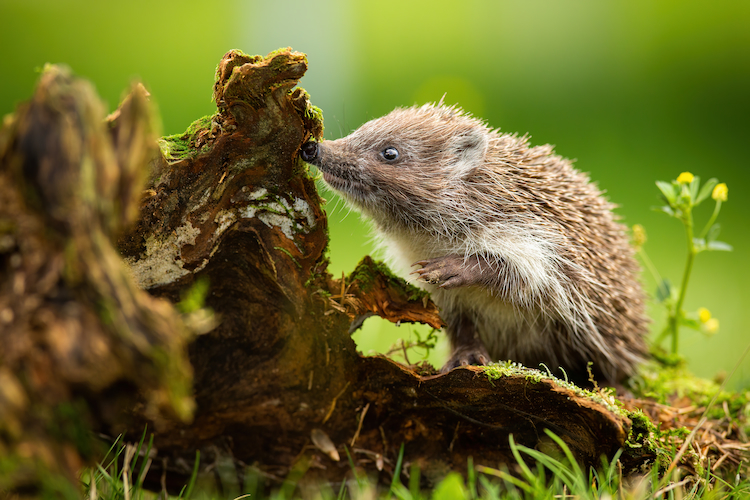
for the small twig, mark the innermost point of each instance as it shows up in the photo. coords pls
(333, 403)
(92, 486)
(704, 436)
(672, 486)
(406, 356)
(455, 436)
(686, 445)
(359, 426)
(142, 477)
(703, 419)
(385, 441)
(164, 478)
(687, 409)
(737, 446)
(719, 461)
(343, 288)
(129, 452)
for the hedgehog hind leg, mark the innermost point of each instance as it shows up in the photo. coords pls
(467, 347)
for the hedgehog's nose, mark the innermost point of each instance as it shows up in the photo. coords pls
(309, 151)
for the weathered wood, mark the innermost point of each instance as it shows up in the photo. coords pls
(372, 290)
(79, 342)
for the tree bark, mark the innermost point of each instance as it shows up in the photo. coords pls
(79, 342)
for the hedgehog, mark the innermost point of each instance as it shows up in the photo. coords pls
(521, 252)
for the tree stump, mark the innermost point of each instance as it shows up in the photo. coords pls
(80, 343)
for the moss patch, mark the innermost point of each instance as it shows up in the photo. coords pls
(368, 270)
(603, 397)
(190, 143)
(665, 384)
(311, 115)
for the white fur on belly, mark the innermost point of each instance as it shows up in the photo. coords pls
(507, 330)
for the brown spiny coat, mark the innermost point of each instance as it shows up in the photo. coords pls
(521, 251)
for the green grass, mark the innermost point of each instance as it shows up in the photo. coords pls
(537, 476)
(121, 473)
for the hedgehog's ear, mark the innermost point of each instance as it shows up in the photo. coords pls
(469, 148)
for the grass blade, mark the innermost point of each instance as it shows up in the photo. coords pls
(397, 470)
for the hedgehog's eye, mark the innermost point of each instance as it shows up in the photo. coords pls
(390, 153)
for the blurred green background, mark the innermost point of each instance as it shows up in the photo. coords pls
(635, 91)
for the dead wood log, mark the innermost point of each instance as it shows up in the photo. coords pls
(79, 341)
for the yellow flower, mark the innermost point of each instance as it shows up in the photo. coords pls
(711, 326)
(720, 192)
(704, 314)
(685, 178)
(639, 235)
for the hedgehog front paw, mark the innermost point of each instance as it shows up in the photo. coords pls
(468, 355)
(446, 272)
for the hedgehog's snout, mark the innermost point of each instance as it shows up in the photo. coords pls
(309, 151)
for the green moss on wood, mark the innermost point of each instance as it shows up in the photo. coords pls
(240, 57)
(188, 144)
(642, 437)
(311, 112)
(289, 254)
(498, 370)
(193, 298)
(311, 115)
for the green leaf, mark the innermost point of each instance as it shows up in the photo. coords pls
(720, 246)
(668, 190)
(694, 189)
(573, 463)
(713, 233)
(690, 323)
(666, 209)
(450, 488)
(664, 290)
(188, 489)
(684, 198)
(699, 244)
(525, 470)
(397, 471)
(706, 190)
(559, 469)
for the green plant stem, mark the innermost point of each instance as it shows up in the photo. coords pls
(674, 320)
(711, 221)
(650, 266)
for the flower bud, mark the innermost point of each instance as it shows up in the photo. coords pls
(685, 178)
(704, 314)
(720, 192)
(639, 236)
